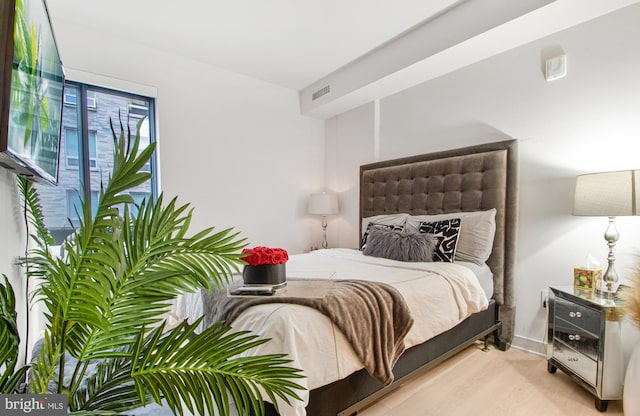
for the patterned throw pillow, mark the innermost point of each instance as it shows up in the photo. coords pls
(477, 231)
(373, 225)
(446, 232)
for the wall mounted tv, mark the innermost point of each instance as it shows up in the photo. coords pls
(31, 91)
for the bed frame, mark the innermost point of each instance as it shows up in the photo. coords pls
(466, 179)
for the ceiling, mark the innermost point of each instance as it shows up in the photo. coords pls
(353, 45)
(290, 43)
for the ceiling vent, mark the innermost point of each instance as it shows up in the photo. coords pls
(322, 91)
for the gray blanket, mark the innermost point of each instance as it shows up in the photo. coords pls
(373, 317)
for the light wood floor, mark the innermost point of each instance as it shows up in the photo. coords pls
(494, 383)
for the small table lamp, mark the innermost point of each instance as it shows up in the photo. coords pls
(323, 204)
(608, 194)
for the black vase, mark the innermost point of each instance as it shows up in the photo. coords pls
(265, 274)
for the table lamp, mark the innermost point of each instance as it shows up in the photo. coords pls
(323, 204)
(608, 194)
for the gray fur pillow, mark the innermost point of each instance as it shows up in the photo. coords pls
(398, 245)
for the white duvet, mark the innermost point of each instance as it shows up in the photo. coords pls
(439, 295)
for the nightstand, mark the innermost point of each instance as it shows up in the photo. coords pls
(584, 341)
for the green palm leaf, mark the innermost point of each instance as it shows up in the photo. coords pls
(45, 365)
(159, 265)
(109, 390)
(33, 213)
(194, 369)
(187, 369)
(9, 340)
(89, 272)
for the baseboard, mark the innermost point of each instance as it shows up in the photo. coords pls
(531, 345)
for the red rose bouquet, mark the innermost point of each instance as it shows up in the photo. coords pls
(264, 255)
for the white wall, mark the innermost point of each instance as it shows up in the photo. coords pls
(586, 122)
(350, 143)
(234, 147)
(12, 241)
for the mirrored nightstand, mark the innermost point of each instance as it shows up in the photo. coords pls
(584, 341)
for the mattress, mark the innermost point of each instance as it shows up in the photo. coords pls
(439, 295)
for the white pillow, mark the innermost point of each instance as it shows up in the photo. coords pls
(389, 219)
(477, 230)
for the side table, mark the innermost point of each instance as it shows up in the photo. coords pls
(584, 341)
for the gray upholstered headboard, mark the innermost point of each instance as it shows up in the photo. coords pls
(466, 179)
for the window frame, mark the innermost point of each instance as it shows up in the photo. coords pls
(84, 106)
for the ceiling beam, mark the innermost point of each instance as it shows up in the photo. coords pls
(468, 32)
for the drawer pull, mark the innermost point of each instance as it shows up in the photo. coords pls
(575, 337)
(575, 314)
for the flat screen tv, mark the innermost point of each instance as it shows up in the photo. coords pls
(31, 91)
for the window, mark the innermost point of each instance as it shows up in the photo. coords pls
(138, 108)
(91, 100)
(71, 145)
(70, 99)
(87, 149)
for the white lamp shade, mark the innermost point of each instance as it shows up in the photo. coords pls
(607, 194)
(323, 204)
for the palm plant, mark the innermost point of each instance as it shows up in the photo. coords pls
(106, 298)
(9, 340)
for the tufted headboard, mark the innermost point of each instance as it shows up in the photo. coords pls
(466, 179)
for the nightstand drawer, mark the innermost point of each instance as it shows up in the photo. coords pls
(579, 363)
(578, 315)
(580, 340)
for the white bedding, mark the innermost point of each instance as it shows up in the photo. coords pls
(439, 295)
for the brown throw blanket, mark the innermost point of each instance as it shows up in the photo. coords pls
(373, 317)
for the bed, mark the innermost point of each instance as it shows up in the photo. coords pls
(467, 185)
